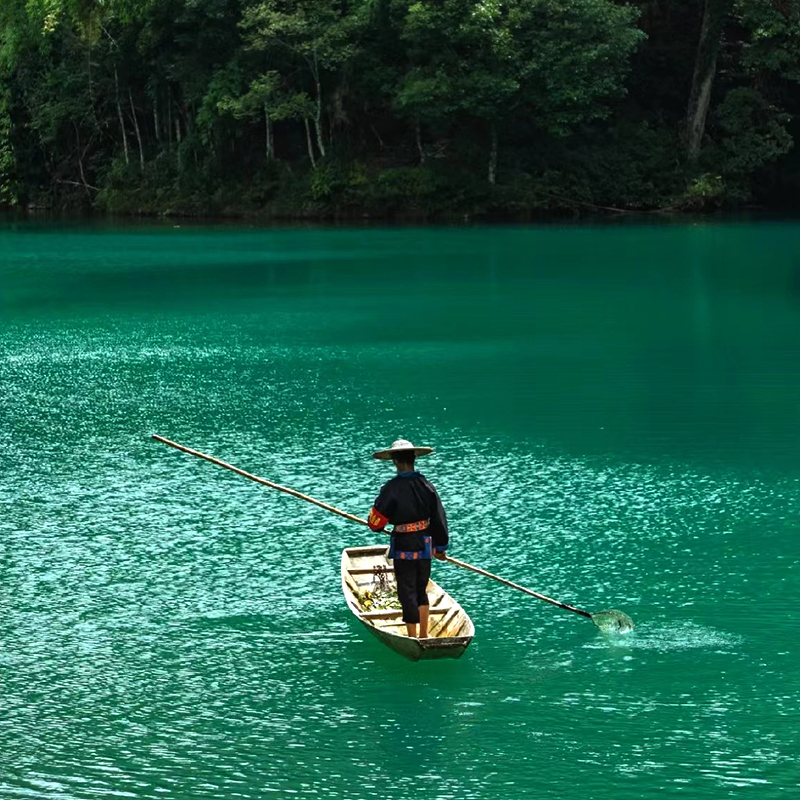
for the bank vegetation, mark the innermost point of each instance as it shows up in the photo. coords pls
(386, 108)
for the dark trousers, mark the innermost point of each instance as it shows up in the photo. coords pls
(412, 580)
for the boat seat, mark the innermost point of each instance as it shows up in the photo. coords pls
(369, 570)
(385, 614)
(390, 613)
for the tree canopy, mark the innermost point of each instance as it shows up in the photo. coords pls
(294, 107)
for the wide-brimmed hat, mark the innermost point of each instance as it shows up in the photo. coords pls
(401, 446)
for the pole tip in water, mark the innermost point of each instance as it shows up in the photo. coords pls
(613, 621)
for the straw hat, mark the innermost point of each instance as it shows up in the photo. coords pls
(401, 445)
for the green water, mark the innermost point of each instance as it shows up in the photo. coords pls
(615, 416)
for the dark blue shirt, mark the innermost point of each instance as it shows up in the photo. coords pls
(411, 497)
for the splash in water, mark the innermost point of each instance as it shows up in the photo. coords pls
(613, 621)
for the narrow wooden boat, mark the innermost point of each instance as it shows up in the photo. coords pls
(450, 629)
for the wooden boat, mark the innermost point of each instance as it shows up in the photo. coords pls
(451, 630)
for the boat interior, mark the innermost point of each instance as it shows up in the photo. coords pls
(361, 572)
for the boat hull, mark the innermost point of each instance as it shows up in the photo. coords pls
(450, 627)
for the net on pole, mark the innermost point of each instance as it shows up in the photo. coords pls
(613, 621)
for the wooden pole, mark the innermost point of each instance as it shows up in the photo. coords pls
(517, 586)
(259, 480)
(360, 521)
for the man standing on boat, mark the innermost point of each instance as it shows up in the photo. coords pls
(412, 505)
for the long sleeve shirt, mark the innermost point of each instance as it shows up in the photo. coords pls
(408, 498)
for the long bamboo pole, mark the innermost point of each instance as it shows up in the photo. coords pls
(255, 478)
(603, 619)
(517, 586)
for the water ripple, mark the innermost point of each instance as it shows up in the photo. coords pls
(169, 629)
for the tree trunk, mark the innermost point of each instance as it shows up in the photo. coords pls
(188, 118)
(418, 136)
(138, 132)
(493, 153)
(80, 160)
(310, 145)
(155, 119)
(91, 86)
(377, 135)
(715, 12)
(318, 116)
(121, 120)
(270, 144)
(318, 127)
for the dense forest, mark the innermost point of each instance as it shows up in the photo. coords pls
(398, 107)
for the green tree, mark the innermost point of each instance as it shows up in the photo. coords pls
(318, 36)
(15, 34)
(747, 125)
(264, 97)
(8, 193)
(555, 62)
(715, 15)
(773, 44)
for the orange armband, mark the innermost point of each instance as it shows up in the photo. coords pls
(376, 520)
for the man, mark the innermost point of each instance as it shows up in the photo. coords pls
(412, 505)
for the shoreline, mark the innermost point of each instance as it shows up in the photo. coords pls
(336, 220)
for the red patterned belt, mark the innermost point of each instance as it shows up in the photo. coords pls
(412, 527)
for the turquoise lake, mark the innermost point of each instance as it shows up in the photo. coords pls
(615, 412)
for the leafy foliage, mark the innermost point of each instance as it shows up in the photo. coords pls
(7, 190)
(391, 106)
